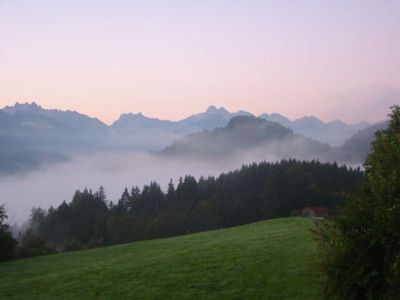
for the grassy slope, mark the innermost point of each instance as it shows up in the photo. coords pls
(273, 259)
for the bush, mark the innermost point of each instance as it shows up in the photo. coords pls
(361, 246)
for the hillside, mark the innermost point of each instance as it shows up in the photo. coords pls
(274, 259)
(248, 137)
(356, 148)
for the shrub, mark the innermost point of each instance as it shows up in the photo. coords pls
(361, 246)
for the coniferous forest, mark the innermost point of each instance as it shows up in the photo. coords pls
(255, 192)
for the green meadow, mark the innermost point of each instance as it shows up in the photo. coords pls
(275, 259)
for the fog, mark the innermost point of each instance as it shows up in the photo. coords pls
(51, 185)
(114, 170)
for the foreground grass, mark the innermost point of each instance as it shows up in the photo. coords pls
(274, 259)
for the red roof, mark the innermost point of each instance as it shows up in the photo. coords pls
(319, 210)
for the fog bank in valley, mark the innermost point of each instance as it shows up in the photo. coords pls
(51, 185)
(244, 141)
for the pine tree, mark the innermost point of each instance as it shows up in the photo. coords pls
(7, 242)
(124, 202)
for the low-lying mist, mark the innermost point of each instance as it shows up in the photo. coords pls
(49, 186)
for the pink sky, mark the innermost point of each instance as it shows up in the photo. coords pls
(170, 59)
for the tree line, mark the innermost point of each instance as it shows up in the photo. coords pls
(255, 192)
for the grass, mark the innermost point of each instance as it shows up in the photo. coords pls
(274, 259)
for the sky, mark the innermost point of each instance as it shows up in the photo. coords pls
(170, 59)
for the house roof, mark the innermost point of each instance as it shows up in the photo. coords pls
(317, 210)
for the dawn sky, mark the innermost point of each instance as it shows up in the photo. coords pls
(169, 59)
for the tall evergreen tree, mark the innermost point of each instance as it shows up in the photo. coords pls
(170, 192)
(7, 242)
(124, 203)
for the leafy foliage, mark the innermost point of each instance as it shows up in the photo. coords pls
(361, 247)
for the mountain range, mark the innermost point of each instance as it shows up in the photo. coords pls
(31, 136)
(333, 133)
(248, 139)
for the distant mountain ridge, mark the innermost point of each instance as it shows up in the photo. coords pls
(333, 133)
(247, 137)
(212, 118)
(31, 135)
(258, 139)
(355, 149)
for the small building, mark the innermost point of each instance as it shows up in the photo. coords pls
(315, 212)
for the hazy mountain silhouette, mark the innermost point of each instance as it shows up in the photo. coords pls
(33, 116)
(31, 135)
(356, 148)
(333, 133)
(247, 136)
(256, 138)
(147, 133)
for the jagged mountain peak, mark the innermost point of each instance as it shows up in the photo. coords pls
(213, 109)
(333, 133)
(137, 117)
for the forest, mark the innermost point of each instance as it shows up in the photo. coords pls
(255, 192)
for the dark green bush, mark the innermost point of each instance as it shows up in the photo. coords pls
(361, 246)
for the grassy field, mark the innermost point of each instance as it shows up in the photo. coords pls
(274, 259)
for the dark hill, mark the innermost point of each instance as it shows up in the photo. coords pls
(247, 136)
